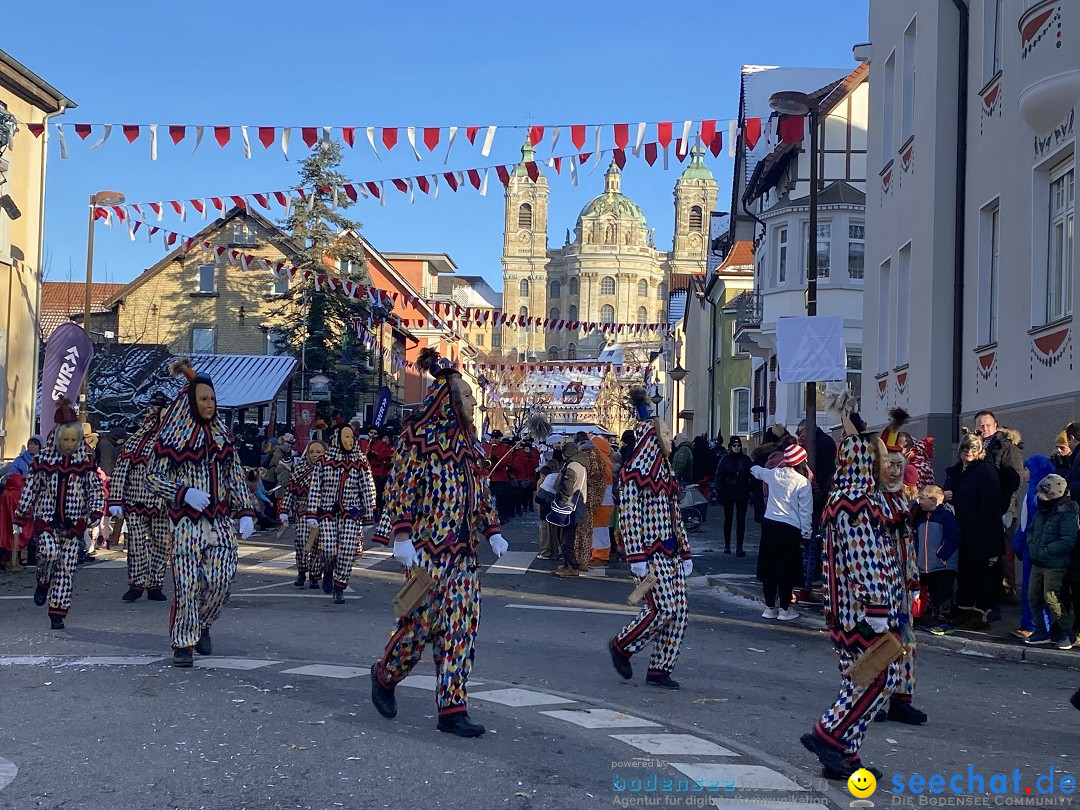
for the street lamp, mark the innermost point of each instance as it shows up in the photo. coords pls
(101, 198)
(678, 374)
(791, 102)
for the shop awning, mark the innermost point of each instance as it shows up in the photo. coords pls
(245, 380)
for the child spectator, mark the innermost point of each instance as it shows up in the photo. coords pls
(937, 541)
(1050, 544)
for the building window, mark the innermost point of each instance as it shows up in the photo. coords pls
(854, 372)
(992, 39)
(556, 289)
(642, 314)
(523, 313)
(275, 342)
(571, 314)
(281, 284)
(903, 304)
(554, 314)
(521, 357)
(888, 110)
(202, 339)
(695, 218)
(553, 352)
(642, 288)
(824, 246)
(661, 291)
(989, 258)
(908, 112)
(607, 285)
(856, 250)
(1059, 269)
(243, 233)
(781, 254)
(740, 412)
(607, 314)
(496, 340)
(523, 288)
(571, 351)
(206, 280)
(573, 285)
(525, 219)
(661, 315)
(884, 315)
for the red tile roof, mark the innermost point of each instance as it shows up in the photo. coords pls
(62, 299)
(741, 257)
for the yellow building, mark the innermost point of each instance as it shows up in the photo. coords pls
(27, 102)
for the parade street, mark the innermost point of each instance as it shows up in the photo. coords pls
(280, 716)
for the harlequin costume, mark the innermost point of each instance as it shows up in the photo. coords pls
(438, 506)
(62, 497)
(148, 531)
(861, 602)
(294, 504)
(655, 540)
(197, 471)
(341, 502)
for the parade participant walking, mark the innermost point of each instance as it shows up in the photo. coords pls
(438, 508)
(341, 504)
(197, 471)
(861, 602)
(62, 496)
(148, 534)
(655, 541)
(294, 503)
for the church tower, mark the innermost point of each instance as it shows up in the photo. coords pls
(524, 256)
(695, 199)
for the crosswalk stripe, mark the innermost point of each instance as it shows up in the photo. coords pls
(600, 718)
(233, 663)
(512, 562)
(661, 743)
(428, 682)
(326, 671)
(737, 776)
(116, 660)
(519, 697)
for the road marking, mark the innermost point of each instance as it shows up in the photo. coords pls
(116, 660)
(372, 557)
(627, 612)
(326, 671)
(281, 584)
(233, 663)
(754, 803)
(512, 562)
(519, 697)
(17, 597)
(600, 718)
(741, 777)
(24, 660)
(309, 595)
(8, 772)
(674, 744)
(428, 682)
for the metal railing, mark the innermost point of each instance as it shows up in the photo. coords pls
(748, 309)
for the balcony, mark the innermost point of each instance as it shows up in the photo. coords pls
(748, 308)
(1049, 78)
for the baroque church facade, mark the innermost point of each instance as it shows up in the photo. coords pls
(608, 269)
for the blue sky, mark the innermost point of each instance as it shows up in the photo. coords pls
(393, 64)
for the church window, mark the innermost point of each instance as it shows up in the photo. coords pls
(553, 352)
(525, 218)
(571, 314)
(573, 286)
(695, 218)
(554, 314)
(607, 285)
(661, 291)
(523, 288)
(556, 289)
(642, 287)
(661, 316)
(607, 314)
(571, 351)
(523, 312)
(642, 315)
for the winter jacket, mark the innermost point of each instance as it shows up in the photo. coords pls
(733, 477)
(976, 500)
(1006, 459)
(937, 538)
(1073, 477)
(791, 498)
(500, 473)
(379, 455)
(682, 463)
(1052, 536)
(573, 488)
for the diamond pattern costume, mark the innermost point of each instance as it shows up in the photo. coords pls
(294, 504)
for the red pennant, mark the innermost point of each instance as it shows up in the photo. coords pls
(791, 128)
(716, 145)
(177, 132)
(431, 138)
(262, 200)
(680, 150)
(82, 130)
(532, 170)
(197, 205)
(350, 191)
(536, 134)
(222, 135)
(577, 135)
(504, 174)
(583, 157)
(131, 132)
(177, 206)
(650, 153)
(281, 198)
(451, 180)
(619, 156)
(474, 178)
(309, 135)
(557, 165)
(156, 208)
(708, 130)
(389, 137)
(170, 238)
(423, 184)
(470, 133)
(752, 132)
(36, 129)
(348, 134)
(238, 201)
(267, 136)
(400, 185)
(373, 187)
(622, 135)
(663, 133)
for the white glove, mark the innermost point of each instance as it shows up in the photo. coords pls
(498, 545)
(405, 553)
(311, 522)
(116, 511)
(879, 624)
(639, 569)
(246, 527)
(1007, 519)
(197, 499)
(283, 519)
(687, 567)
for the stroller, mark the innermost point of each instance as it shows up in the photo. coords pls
(690, 507)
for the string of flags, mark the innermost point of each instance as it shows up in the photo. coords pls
(371, 342)
(559, 367)
(383, 140)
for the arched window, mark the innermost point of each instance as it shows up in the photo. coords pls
(571, 351)
(607, 314)
(642, 315)
(661, 315)
(523, 312)
(607, 285)
(554, 315)
(661, 291)
(523, 288)
(642, 287)
(571, 314)
(556, 289)
(695, 218)
(553, 352)
(573, 285)
(525, 216)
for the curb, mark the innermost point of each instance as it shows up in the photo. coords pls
(998, 650)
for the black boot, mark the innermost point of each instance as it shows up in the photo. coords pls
(620, 661)
(41, 595)
(339, 596)
(1075, 699)
(132, 595)
(727, 548)
(313, 583)
(831, 759)
(739, 552)
(662, 679)
(301, 579)
(182, 657)
(56, 621)
(156, 595)
(204, 646)
(460, 724)
(903, 712)
(328, 582)
(849, 768)
(383, 698)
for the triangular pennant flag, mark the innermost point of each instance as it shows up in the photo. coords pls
(239, 201)
(504, 174)
(556, 164)
(106, 131)
(410, 133)
(286, 133)
(348, 134)
(131, 132)
(82, 130)
(706, 130)
(577, 135)
(389, 137)
(450, 143)
(309, 135)
(451, 180)
(622, 135)
(650, 153)
(177, 132)
(619, 156)
(536, 134)
(791, 128)
(36, 129)
(470, 133)
(199, 206)
(222, 135)
(400, 185)
(373, 188)
(350, 191)
(532, 170)
(218, 203)
(663, 133)
(262, 200)
(282, 200)
(63, 143)
(431, 138)
(370, 132)
(423, 184)
(489, 138)
(752, 132)
(267, 136)
(247, 143)
(153, 141)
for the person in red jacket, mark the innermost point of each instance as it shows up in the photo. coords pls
(500, 475)
(520, 473)
(379, 452)
(531, 465)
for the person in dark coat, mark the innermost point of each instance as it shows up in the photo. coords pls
(1004, 456)
(705, 459)
(733, 492)
(973, 490)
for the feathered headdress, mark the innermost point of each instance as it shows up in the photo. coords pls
(843, 403)
(639, 403)
(898, 417)
(539, 426)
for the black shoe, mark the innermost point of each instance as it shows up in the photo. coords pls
(903, 712)
(41, 595)
(881, 715)
(662, 679)
(132, 595)
(1075, 699)
(204, 646)
(156, 595)
(832, 761)
(313, 583)
(182, 657)
(620, 661)
(328, 582)
(740, 553)
(57, 622)
(460, 724)
(301, 579)
(339, 596)
(848, 769)
(993, 615)
(727, 549)
(382, 698)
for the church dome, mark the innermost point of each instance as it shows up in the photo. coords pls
(612, 201)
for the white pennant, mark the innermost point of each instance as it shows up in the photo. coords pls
(362, 190)
(412, 191)
(153, 141)
(183, 212)
(450, 144)
(371, 140)
(731, 138)
(488, 139)
(63, 143)
(596, 146)
(106, 131)
(483, 184)
(573, 170)
(286, 132)
(334, 197)
(554, 138)
(202, 205)
(382, 192)
(198, 138)
(411, 131)
(434, 186)
(326, 133)
(247, 143)
(685, 137)
(131, 230)
(311, 200)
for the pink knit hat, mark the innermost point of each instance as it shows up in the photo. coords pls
(794, 455)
